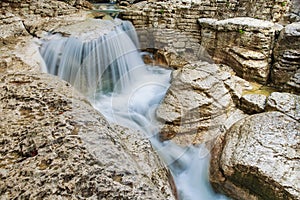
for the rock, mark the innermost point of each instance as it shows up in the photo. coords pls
(258, 158)
(293, 84)
(286, 103)
(243, 43)
(40, 27)
(10, 26)
(236, 87)
(90, 29)
(164, 58)
(287, 58)
(21, 55)
(197, 106)
(295, 7)
(253, 103)
(45, 8)
(55, 145)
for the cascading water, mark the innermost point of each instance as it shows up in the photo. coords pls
(110, 72)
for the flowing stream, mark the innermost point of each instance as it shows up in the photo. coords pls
(111, 73)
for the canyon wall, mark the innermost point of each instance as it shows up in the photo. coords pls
(241, 34)
(45, 8)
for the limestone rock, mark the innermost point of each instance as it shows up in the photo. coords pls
(197, 106)
(258, 158)
(253, 103)
(286, 103)
(22, 55)
(293, 84)
(10, 26)
(287, 58)
(243, 43)
(45, 8)
(236, 87)
(164, 58)
(295, 7)
(55, 145)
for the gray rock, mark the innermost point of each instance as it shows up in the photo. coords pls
(258, 158)
(55, 145)
(253, 103)
(286, 103)
(287, 58)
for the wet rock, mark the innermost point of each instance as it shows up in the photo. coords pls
(287, 59)
(258, 158)
(55, 145)
(243, 43)
(197, 106)
(253, 103)
(286, 103)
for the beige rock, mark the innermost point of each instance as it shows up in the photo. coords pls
(286, 103)
(22, 54)
(253, 103)
(197, 107)
(243, 43)
(55, 145)
(258, 158)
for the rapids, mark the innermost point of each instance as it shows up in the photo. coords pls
(111, 73)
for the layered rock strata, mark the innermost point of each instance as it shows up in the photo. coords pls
(285, 72)
(245, 44)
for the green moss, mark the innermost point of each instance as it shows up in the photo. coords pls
(283, 3)
(162, 11)
(241, 31)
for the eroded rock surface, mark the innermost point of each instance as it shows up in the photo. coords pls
(286, 103)
(258, 158)
(243, 43)
(198, 106)
(55, 145)
(253, 103)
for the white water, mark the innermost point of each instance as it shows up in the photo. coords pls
(111, 73)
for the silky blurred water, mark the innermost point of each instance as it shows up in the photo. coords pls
(112, 75)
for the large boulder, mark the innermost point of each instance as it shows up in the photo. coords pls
(285, 71)
(243, 43)
(258, 158)
(55, 145)
(198, 106)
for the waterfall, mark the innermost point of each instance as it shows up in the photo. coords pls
(110, 72)
(102, 64)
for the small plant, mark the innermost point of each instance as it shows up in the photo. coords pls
(227, 4)
(283, 3)
(241, 31)
(162, 11)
